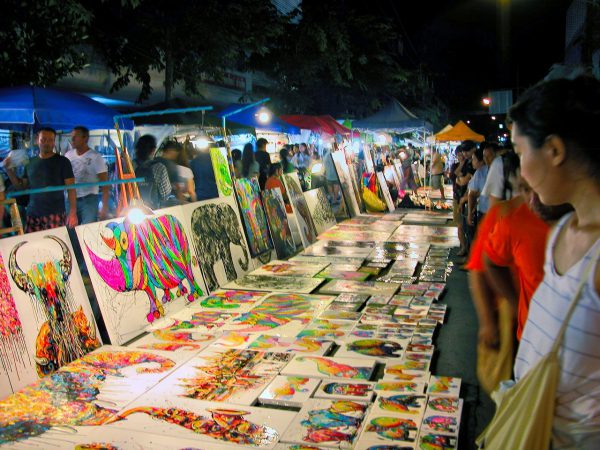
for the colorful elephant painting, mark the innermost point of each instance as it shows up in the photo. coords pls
(66, 333)
(152, 255)
(215, 228)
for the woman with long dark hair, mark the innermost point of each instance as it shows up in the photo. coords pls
(250, 167)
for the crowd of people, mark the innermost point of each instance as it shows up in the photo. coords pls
(534, 247)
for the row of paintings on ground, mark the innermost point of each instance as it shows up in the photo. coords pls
(139, 272)
(204, 396)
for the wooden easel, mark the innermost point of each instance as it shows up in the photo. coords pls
(128, 191)
(15, 218)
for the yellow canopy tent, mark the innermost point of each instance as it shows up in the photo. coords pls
(459, 132)
(431, 139)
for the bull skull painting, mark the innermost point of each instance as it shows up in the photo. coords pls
(152, 255)
(66, 333)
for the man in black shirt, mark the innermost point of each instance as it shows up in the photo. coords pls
(47, 210)
(264, 161)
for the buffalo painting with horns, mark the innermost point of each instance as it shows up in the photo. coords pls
(154, 254)
(66, 334)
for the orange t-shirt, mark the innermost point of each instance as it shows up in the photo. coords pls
(518, 241)
(484, 229)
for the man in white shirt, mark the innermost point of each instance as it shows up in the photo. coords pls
(88, 167)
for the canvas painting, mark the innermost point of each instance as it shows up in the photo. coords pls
(352, 263)
(219, 158)
(208, 423)
(322, 334)
(140, 271)
(108, 437)
(15, 363)
(389, 429)
(370, 445)
(232, 340)
(322, 249)
(383, 187)
(335, 389)
(441, 423)
(289, 391)
(444, 405)
(228, 300)
(180, 342)
(187, 323)
(253, 215)
(333, 273)
(282, 314)
(330, 324)
(281, 233)
(320, 209)
(275, 284)
(341, 234)
(306, 226)
(392, 177)
(400, 387)
(328, 423)
(89, 391)
(435, 440)
(446, 386)
(290, 269)
(356, 186)
(412, 405)
(327, 367)
(218, 240)
(48, 321)
(359, 287)
(343, 172)
(381, 350)
(301, 345)
(219, 375)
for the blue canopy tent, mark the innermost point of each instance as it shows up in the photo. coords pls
(249, 117)
(27, 106)
(393, 118)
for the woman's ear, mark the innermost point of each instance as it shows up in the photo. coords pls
(556, 150)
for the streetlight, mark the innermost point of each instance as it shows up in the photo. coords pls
(486, 101)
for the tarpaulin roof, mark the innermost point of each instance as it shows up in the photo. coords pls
(459, 132)
(394, 117)
(39, 107)
(318, 124)
(249, 117)
(210, 119)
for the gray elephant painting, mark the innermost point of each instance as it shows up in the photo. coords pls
(215, 227)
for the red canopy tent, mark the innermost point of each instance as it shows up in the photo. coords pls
(319, 124)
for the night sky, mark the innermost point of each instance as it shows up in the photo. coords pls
(461, 42)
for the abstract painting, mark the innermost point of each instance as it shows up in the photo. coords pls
(404, 404)
(437, 441)
(218, 157)
(324, 367)
(229, 300)
(207, 423)
(341, 234)
(219, 375)
(275, 284)
(281, 233)
(320, 209)
(218, 240)
(327, 422)
(343, 172)
(345, 390)
(306, 226)
(359, 287)
(74, 395)
(304, 345)
(333, 273)
(390, 429)
(380, 349)
(289, 269)
(48, 319)
(253, 215)
(289, 391)
(140, 271)
(14, 359)
(284, 314)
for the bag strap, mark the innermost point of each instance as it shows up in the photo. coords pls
(584, 279)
